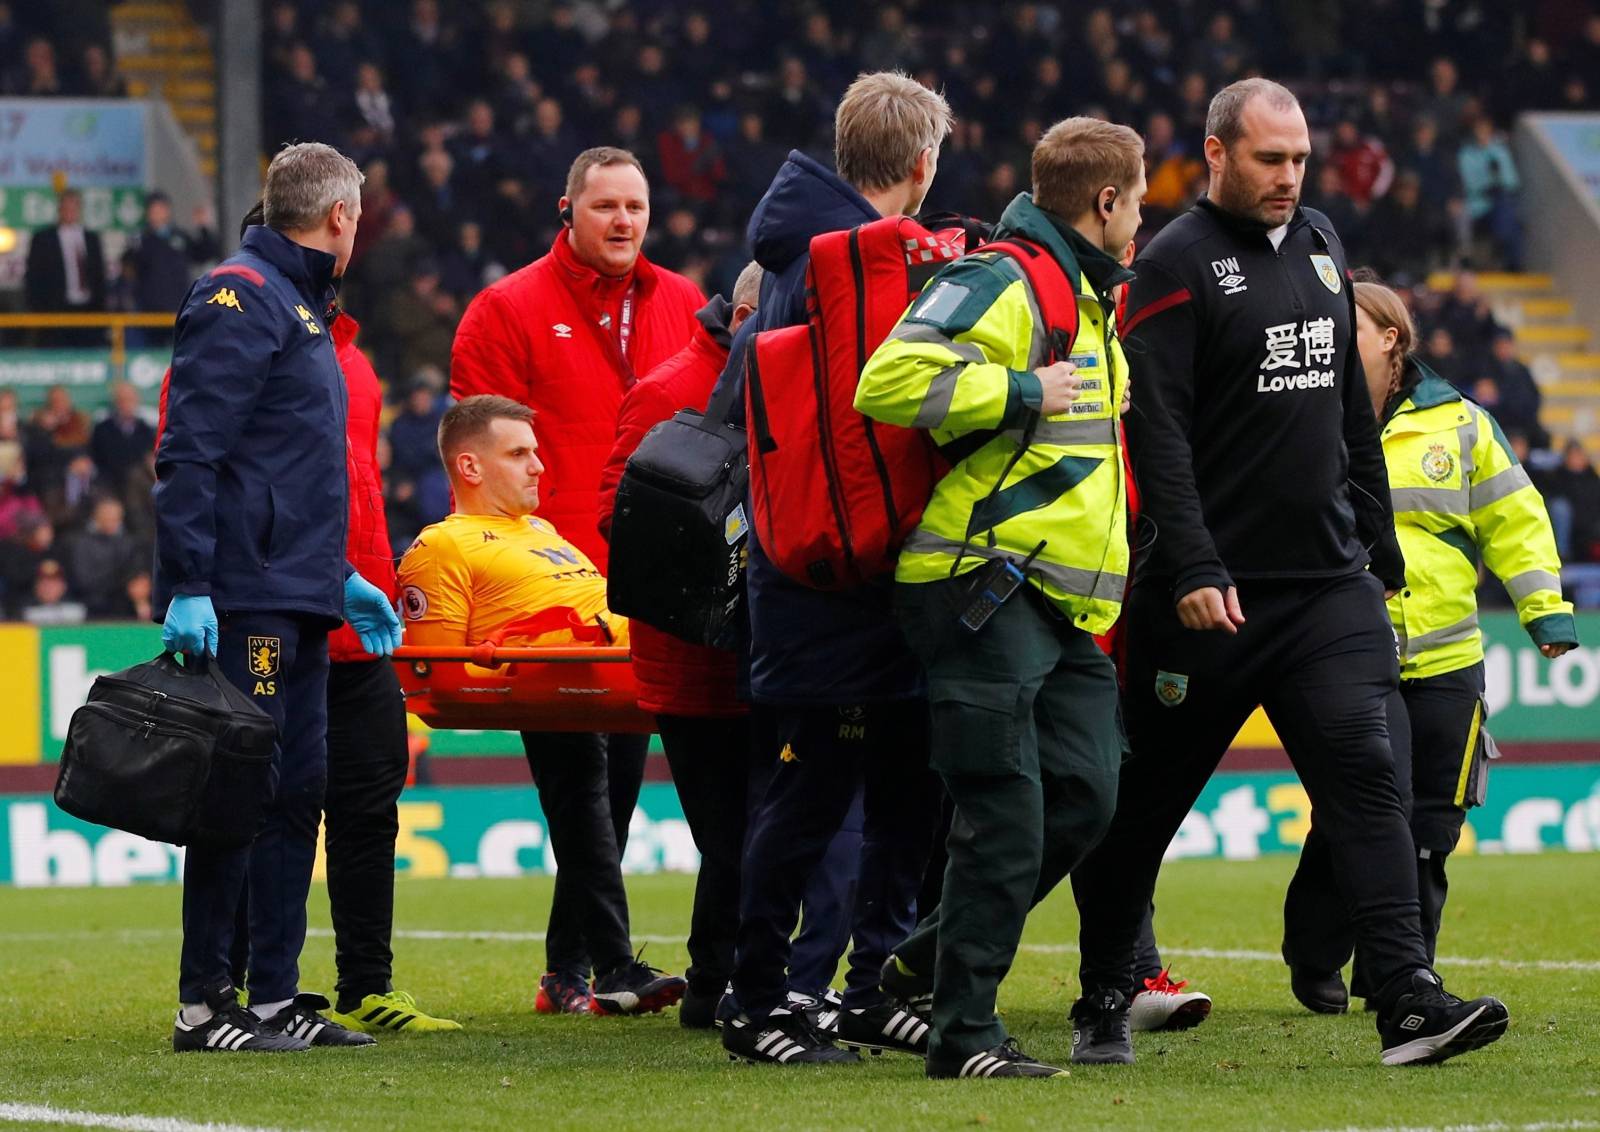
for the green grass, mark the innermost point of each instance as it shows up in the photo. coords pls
(87, 988)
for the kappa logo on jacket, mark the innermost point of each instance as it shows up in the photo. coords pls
(225, 297)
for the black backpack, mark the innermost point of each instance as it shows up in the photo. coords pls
(170, 752)
(679, 530)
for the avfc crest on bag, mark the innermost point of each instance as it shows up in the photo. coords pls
(1172, 688)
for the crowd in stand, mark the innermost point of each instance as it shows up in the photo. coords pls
(466, 117)
(57, 50)
(76, 518)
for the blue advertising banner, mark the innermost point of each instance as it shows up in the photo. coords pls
(89, 143)
(1577, 138)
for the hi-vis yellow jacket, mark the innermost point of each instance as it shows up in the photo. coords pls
(960, 362)
(1459, 494)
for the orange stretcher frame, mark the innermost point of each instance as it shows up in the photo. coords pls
(489, 687)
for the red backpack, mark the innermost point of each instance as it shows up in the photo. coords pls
(834, 493)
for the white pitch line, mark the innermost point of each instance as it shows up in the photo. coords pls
(96, 934)
(439, 935)
(1494, 1126)
(48, 1114)
(1034, 948)
(1274, 957)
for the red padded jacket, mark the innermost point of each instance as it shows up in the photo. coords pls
(675, 677)
(536, 336)
(367, 545)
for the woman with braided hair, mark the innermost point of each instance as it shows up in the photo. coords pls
(1460, 497)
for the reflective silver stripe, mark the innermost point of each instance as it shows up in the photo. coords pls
(1467, 434)
(1036, 338)
(936, 401)
(1064, 433)
(1530, 582)
(1499, 485)
(1463, 630)
(1439, 500)
(1097, 585)
(921, 334)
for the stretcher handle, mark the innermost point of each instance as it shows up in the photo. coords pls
(475, 654)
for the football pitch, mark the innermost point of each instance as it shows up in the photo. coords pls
(87, 987)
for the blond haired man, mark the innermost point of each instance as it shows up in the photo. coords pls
(1020, 559)
(837, 691)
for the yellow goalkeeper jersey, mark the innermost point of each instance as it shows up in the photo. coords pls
(469, 576)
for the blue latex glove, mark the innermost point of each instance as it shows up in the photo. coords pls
(371, 616)
(190, 626)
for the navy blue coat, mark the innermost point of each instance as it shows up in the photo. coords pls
(807, 646)
(251, 494)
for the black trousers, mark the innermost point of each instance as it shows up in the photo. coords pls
(368, 758)
(710, 761)
(280, 662)
(828, 906)
(1147, 961)
(826, 756)
(588, 786)
(1319, 657)
(1438, 725)
(367, 761)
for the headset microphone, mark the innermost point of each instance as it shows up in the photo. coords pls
(566, 215)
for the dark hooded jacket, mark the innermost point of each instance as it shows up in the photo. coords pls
(810, 646)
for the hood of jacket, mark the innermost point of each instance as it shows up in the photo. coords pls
(805, 199)
(714, 318)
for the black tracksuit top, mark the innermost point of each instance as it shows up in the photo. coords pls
(1252, 437)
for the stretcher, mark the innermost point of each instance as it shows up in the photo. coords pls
(491, 686)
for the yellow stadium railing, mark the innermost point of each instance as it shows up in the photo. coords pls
(117, 323)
